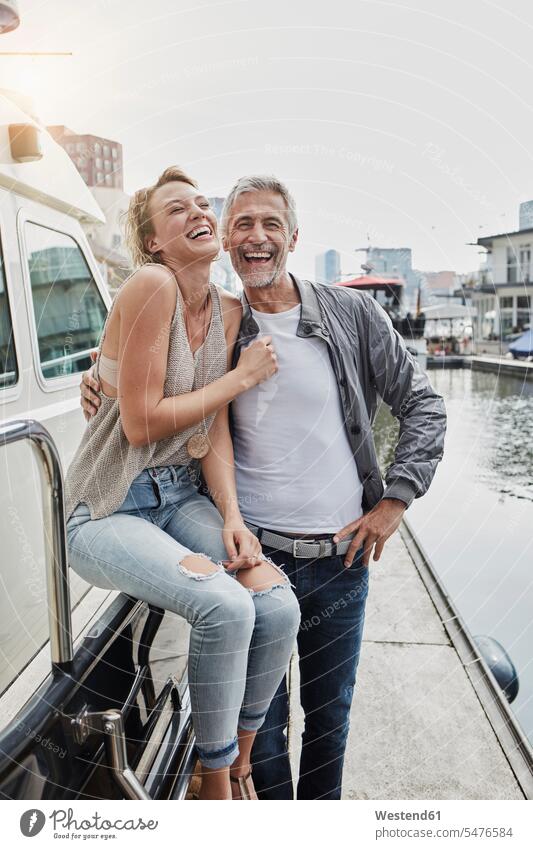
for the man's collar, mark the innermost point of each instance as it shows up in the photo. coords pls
(310, 309)
(310, 319)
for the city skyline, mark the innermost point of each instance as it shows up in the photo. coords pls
(87, 150)
(382, 135)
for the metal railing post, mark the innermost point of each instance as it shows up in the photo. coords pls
(57, 584)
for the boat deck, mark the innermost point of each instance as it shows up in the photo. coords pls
(419, 728)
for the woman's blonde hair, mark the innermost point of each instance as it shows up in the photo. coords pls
(138, 220)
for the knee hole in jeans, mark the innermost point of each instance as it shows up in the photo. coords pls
(263, 578)
(199, 567)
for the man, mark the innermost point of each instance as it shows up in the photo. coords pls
(308, 479)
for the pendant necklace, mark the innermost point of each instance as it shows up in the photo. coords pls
(198, 444)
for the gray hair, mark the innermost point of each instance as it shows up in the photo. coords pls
(260, 183)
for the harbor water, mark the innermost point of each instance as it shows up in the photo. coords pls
(475, 523)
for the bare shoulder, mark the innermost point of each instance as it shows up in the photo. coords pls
(231, 309)
(149, 283)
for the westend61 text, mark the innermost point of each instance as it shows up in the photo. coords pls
(407, 815)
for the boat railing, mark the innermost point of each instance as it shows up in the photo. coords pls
(58, 592)
(168, 757)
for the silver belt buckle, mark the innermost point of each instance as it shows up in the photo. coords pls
(295, 544)
(321, 546)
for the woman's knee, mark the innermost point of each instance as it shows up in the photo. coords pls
(285, 619)
(199, 567)
(263, 577)
(276, 603)
(228, 607)
(226, 600)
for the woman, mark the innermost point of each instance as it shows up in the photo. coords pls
(136, 521)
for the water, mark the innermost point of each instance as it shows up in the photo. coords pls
(476, 521)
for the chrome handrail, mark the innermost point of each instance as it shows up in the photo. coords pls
(57, 584)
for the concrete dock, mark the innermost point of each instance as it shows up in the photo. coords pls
(418, 727)
(501, 365)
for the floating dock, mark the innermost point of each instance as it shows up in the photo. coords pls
(448, 361)
(501, 365)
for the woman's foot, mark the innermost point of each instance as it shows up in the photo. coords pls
(240, 772)
(242, 786)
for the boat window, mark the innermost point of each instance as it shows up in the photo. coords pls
(69, 310)
(8, 359)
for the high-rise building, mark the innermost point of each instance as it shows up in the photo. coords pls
(328, 267)
(397, 262)
(391, 262)
(222, 270)
(526, 215)
(98, 160)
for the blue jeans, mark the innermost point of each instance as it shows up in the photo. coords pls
(240, 641)
(332, 602)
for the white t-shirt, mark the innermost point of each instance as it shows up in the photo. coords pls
(294, 467)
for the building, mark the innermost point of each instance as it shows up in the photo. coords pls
(440, 284)
(98, 160)
(504, 294)
(526, 215)
(397, 262)
(328, 267)
(222, 270)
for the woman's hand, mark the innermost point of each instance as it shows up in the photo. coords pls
(243, 547)
(258, 361)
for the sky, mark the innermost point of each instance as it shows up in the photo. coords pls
(402, 124)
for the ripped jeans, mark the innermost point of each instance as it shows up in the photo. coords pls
(240, 641)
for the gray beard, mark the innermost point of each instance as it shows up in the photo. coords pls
(252, 281)
(259, 280)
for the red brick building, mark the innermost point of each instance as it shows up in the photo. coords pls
(98, 160)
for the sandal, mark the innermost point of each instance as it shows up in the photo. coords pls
(242, 780)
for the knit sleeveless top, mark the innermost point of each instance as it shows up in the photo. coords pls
(105, 464)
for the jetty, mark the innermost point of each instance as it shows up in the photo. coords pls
(501, 365)
(428, 720)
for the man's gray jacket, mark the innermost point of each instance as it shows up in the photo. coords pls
(370, 360)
